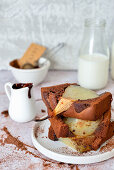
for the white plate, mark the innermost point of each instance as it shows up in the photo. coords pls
(60, 152)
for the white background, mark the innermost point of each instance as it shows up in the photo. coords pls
(49, 22)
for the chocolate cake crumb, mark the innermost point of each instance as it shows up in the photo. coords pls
(43, 111)
(61, 163)
(73, 165)
(46, 164)
(5, 113)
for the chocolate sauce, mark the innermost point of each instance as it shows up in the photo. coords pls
(5, 113)
(37, 66)
(15, 64)
(29, 92)
(22, 85)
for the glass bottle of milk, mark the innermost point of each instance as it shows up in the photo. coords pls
(93, 63)
(112, 61)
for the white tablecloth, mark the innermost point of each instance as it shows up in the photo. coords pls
(11, 157)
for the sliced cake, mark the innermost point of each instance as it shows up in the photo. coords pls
(71, 100)
(79, 117)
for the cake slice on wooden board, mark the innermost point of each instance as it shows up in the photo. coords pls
(31, 56)
(90, 109)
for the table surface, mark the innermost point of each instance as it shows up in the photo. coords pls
(11, 156)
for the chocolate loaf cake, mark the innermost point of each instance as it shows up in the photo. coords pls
(90, 109)
(104, 131)
(89, 117)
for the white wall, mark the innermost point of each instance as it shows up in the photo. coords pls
(49, 22)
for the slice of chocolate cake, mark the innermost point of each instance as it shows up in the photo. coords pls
(60, 103)
(103, 132)
(91, 109)
(79, 117)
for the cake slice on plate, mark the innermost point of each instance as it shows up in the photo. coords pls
(79, 117)
(74, 101)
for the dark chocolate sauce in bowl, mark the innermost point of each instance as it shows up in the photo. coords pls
(23, 85)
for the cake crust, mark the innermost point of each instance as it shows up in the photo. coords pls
(60, 128)
(51, 134)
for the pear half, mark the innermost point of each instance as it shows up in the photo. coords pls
(71, 94)
(83, 131)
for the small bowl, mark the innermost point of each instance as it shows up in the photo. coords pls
(35, 76)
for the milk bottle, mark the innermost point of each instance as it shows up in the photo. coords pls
(93, 65)
(112, 61)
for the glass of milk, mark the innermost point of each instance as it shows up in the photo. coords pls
(93, 63)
